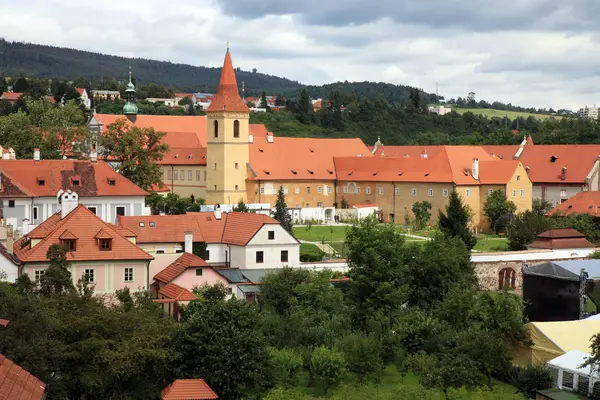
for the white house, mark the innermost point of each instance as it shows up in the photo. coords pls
(167, 102)
(202, 100)
(9, 264)
(28, 190)
(84, 98)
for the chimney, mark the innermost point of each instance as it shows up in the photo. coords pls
(9, 238)
(269, 138)
(217, 211)
(12, 154)
(250, 138)
(188, 245)
(475, 169)
(68, 201)
(25, 226)
(563, 173)
(36, 154)
(423, 154)
(6, 156)
(93, 155)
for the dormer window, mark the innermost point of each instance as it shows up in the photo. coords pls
(105, 244)
(41, 181)
(75, 181)
(151, 224)
(71, 244)
(112, 182)
(142, 224)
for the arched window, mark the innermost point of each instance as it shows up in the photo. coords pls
(507, 278)
(236, 128)
(216, 128)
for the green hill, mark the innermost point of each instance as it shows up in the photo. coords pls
(490, 112)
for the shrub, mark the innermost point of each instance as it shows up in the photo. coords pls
(530, 379)
(287, 364)
(327, 366)
(363, 356)
(310, 253)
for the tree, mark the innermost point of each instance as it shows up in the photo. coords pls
(489, 352)
(3, 84)
(455, 222)
(171, 204)
(56, 279)
(327, 367)
(241, 207)
(446, 371)
(281, 212)
(541, 207)
(363, 356)
(524, 227)
(221, 342)
(304, 108)
(422, 211)
(138, 151)
(287, 364)
(532, 378)
(496, 206)
(263, 101)
(20, 85)
(277, 290)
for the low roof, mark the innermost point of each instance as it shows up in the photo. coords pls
(545, 162)
(572, 361)
(28, 178)
(567, 270)
(175, 292)
(16, 383)
(581, 203)
(11, 96)
(561, 239)
(179, 266)
(188, 389)
(83, 225)
(561, 234)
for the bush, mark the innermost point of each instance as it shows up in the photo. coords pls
(327, 366)
(530, 379)
(310, 253)
(363, 356)
(287, 364)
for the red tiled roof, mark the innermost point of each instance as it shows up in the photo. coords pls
(232, 228)
(176, 292)
(561, 234)
(301, 158)
(504, 152)
(497, 172)
(84, 225)
(184, 156)
(159, 188)
(581, 203)
(561, 239)
(545, 162)
(80, 91)
(258, 130)
(228, 96)
(11, 96)
(407, 151)
(182, 95)
(24, 177)
(178, 266)
(18, 384)
(188, 389)
(4, 322)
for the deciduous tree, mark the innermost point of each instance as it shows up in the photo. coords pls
(496, 206)
(328, 367)
(422, 211)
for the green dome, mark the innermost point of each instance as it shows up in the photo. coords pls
(130, 108)
(130, 87)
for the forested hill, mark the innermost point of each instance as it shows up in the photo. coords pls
(49, 62)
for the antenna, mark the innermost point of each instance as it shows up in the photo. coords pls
(437, 92)
(243, 90)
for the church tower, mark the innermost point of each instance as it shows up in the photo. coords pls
(228, 152)
(130, 109)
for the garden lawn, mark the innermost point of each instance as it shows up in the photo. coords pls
(491, 244)
(391, 387)
(320, 233)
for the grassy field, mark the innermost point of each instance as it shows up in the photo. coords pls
(491, 244)
(392, 387)
(321, 233)
(500, 113)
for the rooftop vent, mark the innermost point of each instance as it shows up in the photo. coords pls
(41, 181)
(330, 172)
(151, 224)
(261, 150)
(190, 156)
(293, 171)
(401, 173)
(553, 158)
(427, 174)
(112, 181)
(375, 173)
(311, 150)
(266, 172)
(310, 171)
(142, 224)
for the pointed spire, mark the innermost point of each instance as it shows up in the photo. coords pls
(228, 96)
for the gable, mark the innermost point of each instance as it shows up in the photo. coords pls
(282, 237)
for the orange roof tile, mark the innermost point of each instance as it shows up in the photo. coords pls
(16, 383)
(561, 239)
(503, 152)
(407, 151)
(178, 266)
(188, 389)
(184, 156)
(82, 224)
(301, 158)
(102, 234)
(240, 228)
(80, 91)
(497, 172)
(581, 203)
(159, 188)
(4, 322)
(67, 235)
(176, 292)
(561, 234)
(545, 162)
(28, 178)
(11, 96)
(228, 96)
(258, 130)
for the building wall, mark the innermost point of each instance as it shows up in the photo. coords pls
(217, 251)
(558, 193)
(520, 190)
(185, 187)
(227, 158)
(11, 270)
(471, 196)
(272, 256)
(298, 194)
(109, 276)
(188, 279)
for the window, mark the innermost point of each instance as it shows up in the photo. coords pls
(105, 244)
(284, 256)
(368, 190)
(160, 251)
(75, 182)
(128, 274)
(260, 257)
(121, 211)
(216, 128)
(215, 166)
(70, 243)
(198, 176)
(152, 224)
(297, 190)
(567, 380)
(413, 192)
(308, 190)
(41, 182)
(319, 204)
(182, 175)
(467, 192)
(215, 187)
(38, 276)
(397, 192)
(207, 254)
(518, 177)
(262, 190)
(236, 187)
(307, 205)
(345, 189)
(111, 182)
(271, 235)
(285, 190)
(563, 193)
(445, 192)
(522, 193)
(198, 271)
(35, 213)
(178, 251)
(236, 129)
(175, 175)
(93, 209)
(142, 224)
(329, 189)
(490, 191)
(90, 273)
(189, 175)
(169, 174)
(358, 189)
(236, 165)
(514, 193)
(319, 189)
(430, 192)
(507, 279)
(380, 189)
(11, 204)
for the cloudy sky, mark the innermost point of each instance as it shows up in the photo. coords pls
(540, 53)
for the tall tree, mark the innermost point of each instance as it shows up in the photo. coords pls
(263, 101)
(281, 211)
(56, 279)
(304, 108)
(455, 222)
(497, 205)
(137, 150)
(446, 371)
(422, 211)
(3, 84)
(20, 85)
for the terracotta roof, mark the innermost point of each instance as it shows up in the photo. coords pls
(67, 235)
(176, 292)
(545, 162)
(504, 152)
(80, 91)
(497, 172)
(159, 188)
(28, 178)
(182, 95)
(84, 225)
(11, 96)
(301, 158)
(364, 205)
(102, 234)
(258, 130)
(581, 203)
(228, 96)
(184, 156)
(561, 234)
(407, 151)
(4, 322)
(567, 243)
(164, 123)
(188, 389)
(178, 267)
(18, 384)
(232, 228)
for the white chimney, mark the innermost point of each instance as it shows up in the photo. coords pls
(269, 138)
(36, 154)
(12, 154)
(563, 173)
(475, 169)
(217, 211)
(6, 156)
(250, 138)
(68, 201)
(189, 242)
(9, 239)
(93, 155)
(25, 226)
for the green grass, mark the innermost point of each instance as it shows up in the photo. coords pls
(319, 233)
(590, 307)
(488, 112)
(489, 243)
(391, 387)
(310, 252)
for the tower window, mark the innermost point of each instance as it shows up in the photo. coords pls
(236, 129)
(236, 165)
(216, 124)
(215, 166)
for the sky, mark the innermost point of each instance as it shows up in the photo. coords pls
(534, 53)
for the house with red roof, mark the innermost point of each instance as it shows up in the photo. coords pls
(581, 203)
(188, 389)
(84, 98)
(11, 97)
(18, 384)
(106, 253)
(28, 190)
